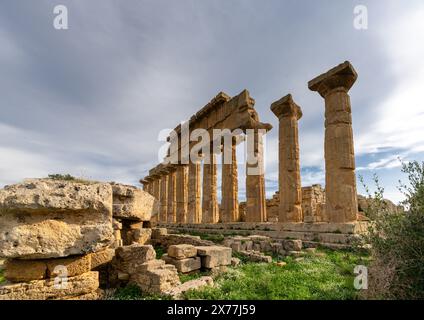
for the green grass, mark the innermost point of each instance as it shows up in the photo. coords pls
(2, 279)
(328, 277)
(132, 292)
(196, 275)
(217, 238)
(160, 251)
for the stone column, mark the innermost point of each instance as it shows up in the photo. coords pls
(163, 210)
(340, 179)
(182, 193)
(288, 113)
(172, 199)
(156, 192)
(194, 208)
(255, 183)
(210, 205)
(230, 205)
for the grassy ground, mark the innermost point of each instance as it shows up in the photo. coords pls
(1, 276)
(327, 275)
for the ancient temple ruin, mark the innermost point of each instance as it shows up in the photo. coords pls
(309, 213)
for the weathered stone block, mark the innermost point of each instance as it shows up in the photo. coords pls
(292, 245)
(214, 256)
(75, 266)
(132, 203)
(101, 258)
(25, 270)
(45, 218)
(142, 236)
(182, 251)
(183, 265)
(48, 289)
(128, 258)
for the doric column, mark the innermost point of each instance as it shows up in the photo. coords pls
(182, 193)
(255, 182)
(194, 209)
(163, 210)
(288, 113)
(172, 200)
(230, 205)
(340, 179)
(210, 205)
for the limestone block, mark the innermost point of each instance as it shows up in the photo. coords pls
(132, 203)
(292, 245)
(183, 265)
(25, 270)
(101, 258)
(45, 218)
(236, 246)
(48, 289)
(182, 251)
(75, 266)
(256, 256)
(142, 236)
(158, 280)
(128, 258)
(151, 265)
(214, 256)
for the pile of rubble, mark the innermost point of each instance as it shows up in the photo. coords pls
(188, 258)
(255, 247)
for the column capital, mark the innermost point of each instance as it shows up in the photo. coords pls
(286, 108)
(341, 76)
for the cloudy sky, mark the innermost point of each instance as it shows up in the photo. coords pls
(92, 100)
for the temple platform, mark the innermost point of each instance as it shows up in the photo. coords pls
(332, 235)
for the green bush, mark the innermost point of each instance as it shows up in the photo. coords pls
(397, 241)
(57, 176)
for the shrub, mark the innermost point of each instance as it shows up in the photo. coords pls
(397, 241)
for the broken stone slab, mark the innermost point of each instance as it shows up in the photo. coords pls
(255, 256)
(157, 280)
(132, 203)
(45, 218)
(214, 256)
(50, 288)
(178, 292)
(128, 258)
(182, 251)
(28, 270)
(183, 265)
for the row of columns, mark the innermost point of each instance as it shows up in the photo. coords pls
(179, 188)
(180, 201)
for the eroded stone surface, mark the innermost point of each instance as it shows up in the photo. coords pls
(132, 203)
(46, 289)
(182, 251)
(45, 218)
(214, 256)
